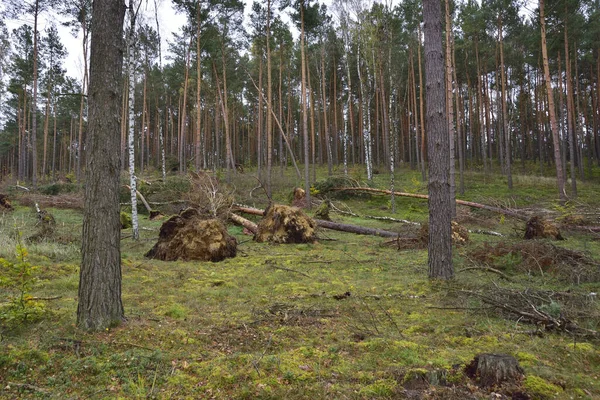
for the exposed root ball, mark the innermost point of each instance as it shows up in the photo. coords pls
(4, 203)
(537, 228)
(460, 235)
(284, 224)
(188, 237)
(299, 199)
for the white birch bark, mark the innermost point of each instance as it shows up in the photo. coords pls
(364, 105)
(130, 135)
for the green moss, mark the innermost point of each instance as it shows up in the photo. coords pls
(176, 311)
(380, 388)
(526, 359)
(540, 389)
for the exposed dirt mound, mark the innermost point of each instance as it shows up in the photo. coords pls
(538, 257)
(460, 235)
(284, 224)
(189, 237)
(538, 228)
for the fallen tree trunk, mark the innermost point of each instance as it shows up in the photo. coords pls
(504, 211)
(360, 230)
(251, 226)
(142, 198)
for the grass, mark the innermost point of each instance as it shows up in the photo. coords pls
(274, 322)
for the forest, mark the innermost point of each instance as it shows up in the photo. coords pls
(227, 96)
(265, 211)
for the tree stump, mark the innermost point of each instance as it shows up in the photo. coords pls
(494, 369)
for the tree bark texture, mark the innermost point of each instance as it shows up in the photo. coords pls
(100, 303)
(438, 144)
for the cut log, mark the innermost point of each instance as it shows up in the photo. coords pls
(504, 211)
(494, 369)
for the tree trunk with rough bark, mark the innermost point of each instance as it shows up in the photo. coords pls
(440, 200)
(100, 304)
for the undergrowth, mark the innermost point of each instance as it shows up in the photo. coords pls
(345, 317)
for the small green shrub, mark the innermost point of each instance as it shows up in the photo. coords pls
(18, 279)
(54, 189)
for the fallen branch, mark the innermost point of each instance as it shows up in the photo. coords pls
(510, 213)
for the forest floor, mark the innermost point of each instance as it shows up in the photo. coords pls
(348, 317)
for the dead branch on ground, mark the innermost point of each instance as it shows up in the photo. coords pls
(507, 212)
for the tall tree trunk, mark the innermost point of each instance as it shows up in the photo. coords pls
(46, 128)
(560, 179)
(34, 161)
(421, 109)
(570, 112)
(82, 105)
(440, 232)
(269, 132)
(481, 111)
(304, 110)
(325, 125)
(504, 102)
(364, 112)
(131, 132)
(449, 105)
(459, 135)
(183, 119)
(259, 126)
(198, 140)
(99, 298)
